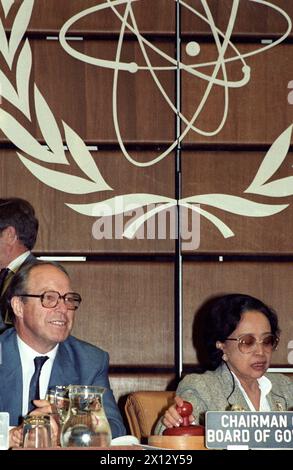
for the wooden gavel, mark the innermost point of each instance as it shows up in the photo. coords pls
(185, 429)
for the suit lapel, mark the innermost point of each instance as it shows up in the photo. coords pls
(276, 402)
(7, 281)
(64, 369)
(236, 398)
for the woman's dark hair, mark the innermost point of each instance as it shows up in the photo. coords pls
(223, 316)
(18, 284)
(20, 214)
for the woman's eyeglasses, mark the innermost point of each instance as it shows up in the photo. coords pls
(247, 343)
(50, 299)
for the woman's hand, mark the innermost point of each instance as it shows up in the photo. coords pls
(15, 437)
(172, 418)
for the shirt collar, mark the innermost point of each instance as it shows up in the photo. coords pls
(18, 261)
(264, 384)
(26, 352)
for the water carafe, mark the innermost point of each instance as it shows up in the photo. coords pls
(86, 424)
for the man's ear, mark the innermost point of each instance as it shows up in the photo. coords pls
(17, 306)
(9, 234)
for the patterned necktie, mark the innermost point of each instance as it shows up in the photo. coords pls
(34, 393)
(3, 275)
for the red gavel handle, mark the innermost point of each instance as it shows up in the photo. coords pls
(185, 411)
(185, 429)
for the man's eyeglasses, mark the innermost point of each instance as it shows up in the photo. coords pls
(50, 299)
(247, 343)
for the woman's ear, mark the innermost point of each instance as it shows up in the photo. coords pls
(220, 345)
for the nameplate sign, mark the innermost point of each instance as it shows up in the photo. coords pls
(270, 430)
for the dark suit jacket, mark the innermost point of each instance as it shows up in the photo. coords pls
(3, 306)
(76, 362)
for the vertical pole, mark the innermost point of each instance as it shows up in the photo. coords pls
(178, 323)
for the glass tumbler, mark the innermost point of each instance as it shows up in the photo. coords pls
(37, 431)
(57, 396)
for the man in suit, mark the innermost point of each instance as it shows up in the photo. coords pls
(18, 233)
(43, 308)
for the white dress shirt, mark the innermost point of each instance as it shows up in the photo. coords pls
(27, 355)
(265, 386)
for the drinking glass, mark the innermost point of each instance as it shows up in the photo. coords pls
(37, 431)
(57, 396)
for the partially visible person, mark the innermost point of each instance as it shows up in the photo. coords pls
(240, 335)
(43, 308)
(18, 234)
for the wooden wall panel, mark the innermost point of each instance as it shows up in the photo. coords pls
(128, 307)
(270, 282)
(257, 112)
(85, 94)
(252, 17)
(231, 172)
(158, 16)
(51, 15)
(122, 310)
(65, 230)
(81, 94)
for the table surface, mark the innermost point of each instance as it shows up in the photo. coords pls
(132, 447)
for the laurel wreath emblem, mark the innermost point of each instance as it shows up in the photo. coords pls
(14, 50)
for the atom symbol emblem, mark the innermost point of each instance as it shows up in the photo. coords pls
(219, 75)
(17, 54)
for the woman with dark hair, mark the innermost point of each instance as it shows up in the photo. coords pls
(240, 334)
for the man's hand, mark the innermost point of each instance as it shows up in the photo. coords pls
(43, 407)
(15, 437)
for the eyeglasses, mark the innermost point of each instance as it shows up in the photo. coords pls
(247, 343)
(50, 299)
